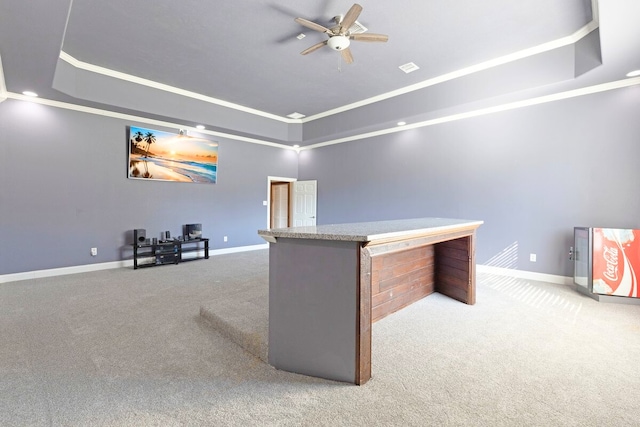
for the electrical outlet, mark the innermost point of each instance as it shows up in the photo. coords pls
(225, 238)
(94, 251)
(532, 257)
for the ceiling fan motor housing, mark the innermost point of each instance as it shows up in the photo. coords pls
(338, 42)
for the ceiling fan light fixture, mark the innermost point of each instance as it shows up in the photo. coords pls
(338, 42)
(347, 28)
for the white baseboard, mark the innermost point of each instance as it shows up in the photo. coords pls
(238, 249)
(37, 274)
(521, 274)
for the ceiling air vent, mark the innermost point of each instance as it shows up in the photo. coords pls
(409, 67)
(357, 28)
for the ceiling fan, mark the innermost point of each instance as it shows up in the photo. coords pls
(340, 35)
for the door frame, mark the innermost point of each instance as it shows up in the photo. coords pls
(270, 180)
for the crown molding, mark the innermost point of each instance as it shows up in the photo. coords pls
(139, 119)
(166, 88)
(545, 47)
(589, 90)
(536, 50)
(3, 86)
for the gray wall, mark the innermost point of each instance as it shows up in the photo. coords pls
(64, 189)
(531, 174)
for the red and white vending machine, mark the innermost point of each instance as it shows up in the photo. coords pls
(607, 263)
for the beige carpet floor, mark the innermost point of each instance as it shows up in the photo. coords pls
(131, 348)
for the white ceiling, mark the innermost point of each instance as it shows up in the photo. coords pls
(245, 52)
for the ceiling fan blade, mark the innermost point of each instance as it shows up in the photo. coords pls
(314, 47)
(370, 37)
(350, 18)
(312, 25)
(346, 55)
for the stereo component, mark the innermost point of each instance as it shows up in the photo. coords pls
(139, 235)
(193, 231)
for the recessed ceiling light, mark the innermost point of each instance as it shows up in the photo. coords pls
(29, 93)
(296, 146)
(402, 123)
(635, 73)
(296, 115)
(409, 67)
(199, 127)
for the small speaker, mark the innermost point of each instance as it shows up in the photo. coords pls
(139, 235)
(194, 231)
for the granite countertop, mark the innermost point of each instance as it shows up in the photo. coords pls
(369, 231)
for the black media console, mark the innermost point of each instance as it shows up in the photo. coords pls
(167, 252)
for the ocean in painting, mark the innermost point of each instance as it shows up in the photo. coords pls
(158, 155)
(172, 170)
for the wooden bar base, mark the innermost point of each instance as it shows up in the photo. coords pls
(322, 279)
(397, 274)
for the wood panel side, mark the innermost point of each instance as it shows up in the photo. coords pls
(363, 319)
(455, 269)
(397, 303)
(400, 278)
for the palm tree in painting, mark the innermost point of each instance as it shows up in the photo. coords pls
(149, 138)
(138, 136)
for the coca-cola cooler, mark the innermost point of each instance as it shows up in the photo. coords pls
(607, 263)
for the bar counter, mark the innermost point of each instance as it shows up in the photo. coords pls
(329, 283)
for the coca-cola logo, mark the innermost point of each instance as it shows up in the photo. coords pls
(610, 255)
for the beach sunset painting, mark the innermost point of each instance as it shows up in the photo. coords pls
(164, 156)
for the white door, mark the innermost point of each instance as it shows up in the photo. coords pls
(305, 196)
